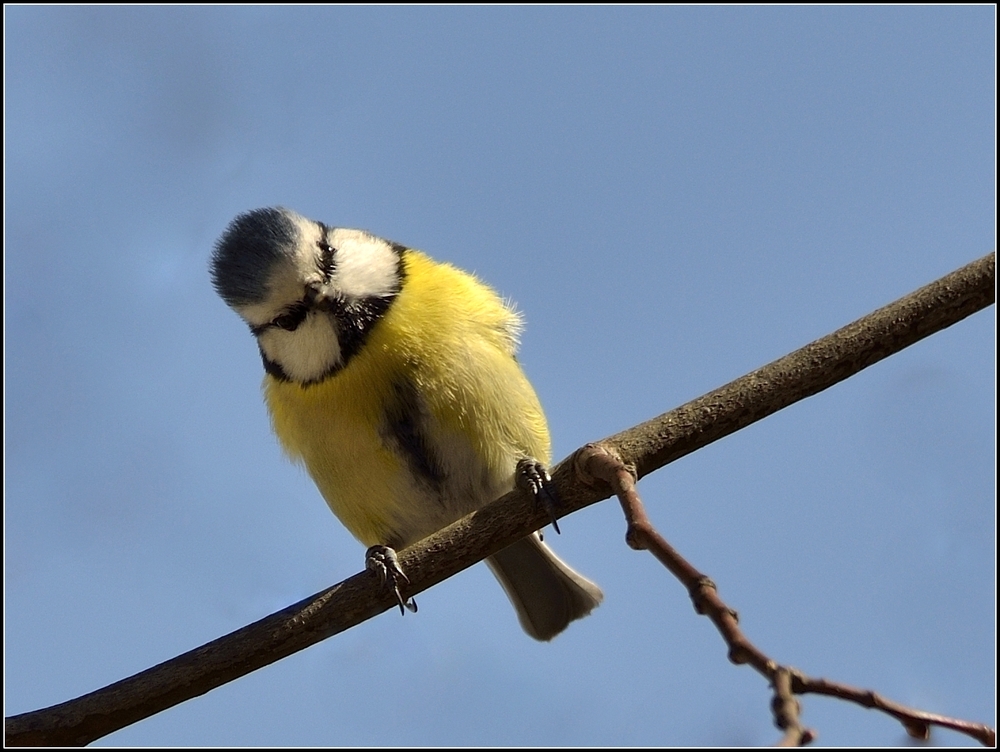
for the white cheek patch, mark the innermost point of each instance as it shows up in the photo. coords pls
(366, 266)
(306, 354)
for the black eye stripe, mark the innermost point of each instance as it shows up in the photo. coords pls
(290, 320)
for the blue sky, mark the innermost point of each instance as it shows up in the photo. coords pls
(672, 195)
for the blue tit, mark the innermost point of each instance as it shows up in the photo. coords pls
(392, 378)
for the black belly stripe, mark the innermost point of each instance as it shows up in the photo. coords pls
(404, 420)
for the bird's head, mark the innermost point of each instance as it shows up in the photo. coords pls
(310, 293)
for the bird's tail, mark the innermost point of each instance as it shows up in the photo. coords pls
(545, 591)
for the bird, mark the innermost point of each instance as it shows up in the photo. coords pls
(393, 379)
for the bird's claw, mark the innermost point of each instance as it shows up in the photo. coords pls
(534, 478)
(383, 561)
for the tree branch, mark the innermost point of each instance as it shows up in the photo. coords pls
(645, 448)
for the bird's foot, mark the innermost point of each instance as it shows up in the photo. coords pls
(532, 477)
(383, 561)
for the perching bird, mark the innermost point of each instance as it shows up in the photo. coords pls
(392, 377)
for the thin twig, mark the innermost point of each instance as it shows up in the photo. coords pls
(916, 722)
(596, 462)
(786, 711)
